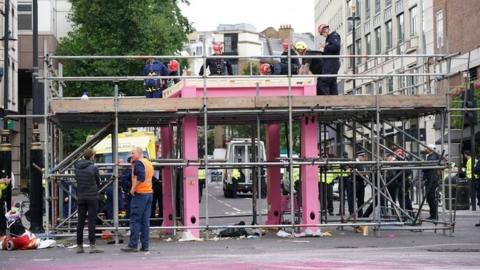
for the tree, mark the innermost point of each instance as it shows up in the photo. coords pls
(120, 27)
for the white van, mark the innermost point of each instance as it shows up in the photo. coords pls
(240, 151)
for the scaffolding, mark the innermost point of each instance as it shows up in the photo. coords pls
(360, 121)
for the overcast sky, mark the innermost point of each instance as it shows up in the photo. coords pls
(206, 15)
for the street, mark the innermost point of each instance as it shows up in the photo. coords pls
(344, 250)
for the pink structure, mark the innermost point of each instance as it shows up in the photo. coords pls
(246, 88)
(309, 173)
(167, 142)
(274, 184)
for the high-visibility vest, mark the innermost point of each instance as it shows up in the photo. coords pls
(3, 186)
(326, 177)
(469, 168)
(236, 174)
(145, 186)
(296, 175)
(201, 175)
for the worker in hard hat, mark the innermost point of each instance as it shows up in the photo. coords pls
(301, 49)
(295, 62)
(332, 46)
(173, 70)
(154, 86)
(217, 66)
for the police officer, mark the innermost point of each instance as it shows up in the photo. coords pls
(201, 184)
(332, 46)
(325, 184)
(473, 179)
(236, 177)
(217, 66)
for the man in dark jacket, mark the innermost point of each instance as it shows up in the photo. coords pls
(88, 181)
(328, 85)
(154, 86)
(431, 183)
(294, 62)
(217, 66)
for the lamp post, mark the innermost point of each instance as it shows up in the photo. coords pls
(353, 18)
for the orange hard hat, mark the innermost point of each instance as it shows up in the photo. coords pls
(173, 65)
(265, 69)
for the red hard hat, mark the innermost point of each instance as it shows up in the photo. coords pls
(400, 152)
(285, 44)
(173, 65)
(217, 47)
(265, 69)
(321, 26)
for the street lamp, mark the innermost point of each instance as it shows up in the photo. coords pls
(353, 18)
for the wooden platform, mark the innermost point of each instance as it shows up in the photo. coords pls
(139, 111)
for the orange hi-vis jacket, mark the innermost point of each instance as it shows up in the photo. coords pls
(145, 186)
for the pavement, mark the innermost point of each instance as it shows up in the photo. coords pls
(392, 249)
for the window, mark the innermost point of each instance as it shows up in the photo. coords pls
(230, 44)
(400, 28)
(413, 21)
(377, 6)
(379, 87)
(369, 88)
(390, 84)
(388, 3)
(368, 44)
(350, 59)
(357, 11)
(358, 48)
(378, 40)
(388, 34)
(25, 17)
(439, 22)
(367, 9)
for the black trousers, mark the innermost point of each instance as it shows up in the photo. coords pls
(430, 189)
(3, 220)
(84, 206)
(157, 200)
(359, 193)
(474, 193)
(326, 191)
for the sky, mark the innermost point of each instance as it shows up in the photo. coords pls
(206, 15)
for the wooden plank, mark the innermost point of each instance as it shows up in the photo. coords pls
(160, 104)
(430, 101)
(81, 106)
(222, 103)
(358, 101)
(271, 102)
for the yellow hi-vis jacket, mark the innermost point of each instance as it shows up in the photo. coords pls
(296, 175)
(236, 175)
(331, 175)
(201, 175)
(2, 188)
(469, 169)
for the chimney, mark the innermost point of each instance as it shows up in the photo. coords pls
(285, 31)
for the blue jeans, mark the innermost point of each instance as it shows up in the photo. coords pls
(140, 208)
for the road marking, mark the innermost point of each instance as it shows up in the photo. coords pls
(224, 203)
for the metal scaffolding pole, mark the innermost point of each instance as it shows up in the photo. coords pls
(115, 165)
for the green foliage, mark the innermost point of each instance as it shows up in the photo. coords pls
(457, 116)
(120, 27)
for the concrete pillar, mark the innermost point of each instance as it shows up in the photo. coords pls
(309, 173)
(274, 185)
(167, 142)
(191, 211)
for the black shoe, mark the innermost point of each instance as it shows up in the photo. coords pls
(477, 225)
(80, 249)
(129, 249)
(144, 249)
